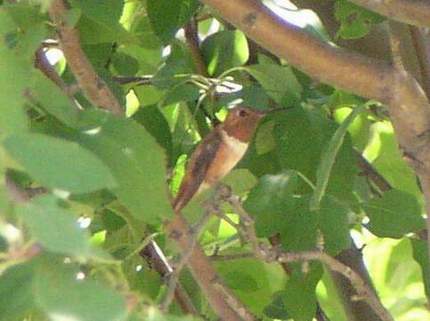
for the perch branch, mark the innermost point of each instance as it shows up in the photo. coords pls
(94, 88)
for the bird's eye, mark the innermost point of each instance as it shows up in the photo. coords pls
(243, 113)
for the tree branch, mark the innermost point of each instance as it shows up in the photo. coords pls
(408, 105)
(202, 271)
(192, 39)
(413, 12)
(94, 88)
(151, 252)
(422, 50)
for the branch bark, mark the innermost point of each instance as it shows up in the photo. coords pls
(413, 12)
(203, 271)
(94, 88)
(408, 105)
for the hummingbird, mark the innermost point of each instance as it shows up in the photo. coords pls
(218, 153)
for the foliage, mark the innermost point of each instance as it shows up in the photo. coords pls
(107, 180)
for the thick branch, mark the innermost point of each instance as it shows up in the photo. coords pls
(94, 88)
(413, 12)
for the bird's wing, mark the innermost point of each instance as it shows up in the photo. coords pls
(196, 169)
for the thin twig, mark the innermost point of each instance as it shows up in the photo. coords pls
(20, 194)
(94, 87)
(230, 257)
(158, 260)
(369, 171)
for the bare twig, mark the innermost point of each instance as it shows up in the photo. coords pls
(230, 257)
(91, 84)
(369, 171)
(135, 80)
(157, 259)
(43, 64)
(19, 194)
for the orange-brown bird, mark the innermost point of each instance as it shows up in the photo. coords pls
(218, 153)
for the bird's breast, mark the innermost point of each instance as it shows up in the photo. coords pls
(229, 153)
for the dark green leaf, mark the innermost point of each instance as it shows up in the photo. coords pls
(279, 82)
(58, 163)
(328, 158)
(299, 296)
(270, 200)
(277, 309)
(300, 227)
(395, 214)
(224, 50)
(355, 21)
(167, 16)
(125, 64)
(334, 225)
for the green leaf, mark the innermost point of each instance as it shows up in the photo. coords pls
(156, 124)
(264, 140)
(167, 16)
(99, 22)
(135, 159)
(62, 297)
(58, 163)
(253, 281)
(420, 253)
(240, 180)
(16, 298)
(269, 201)
(395, 214)
(355, 21)
(224, 50)
(299, 296)
(297, 128)
(328, 158)
(56, 229)
(279, 82)
(53, 100)
(334, 225)
(277, 309)
(300, 227)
